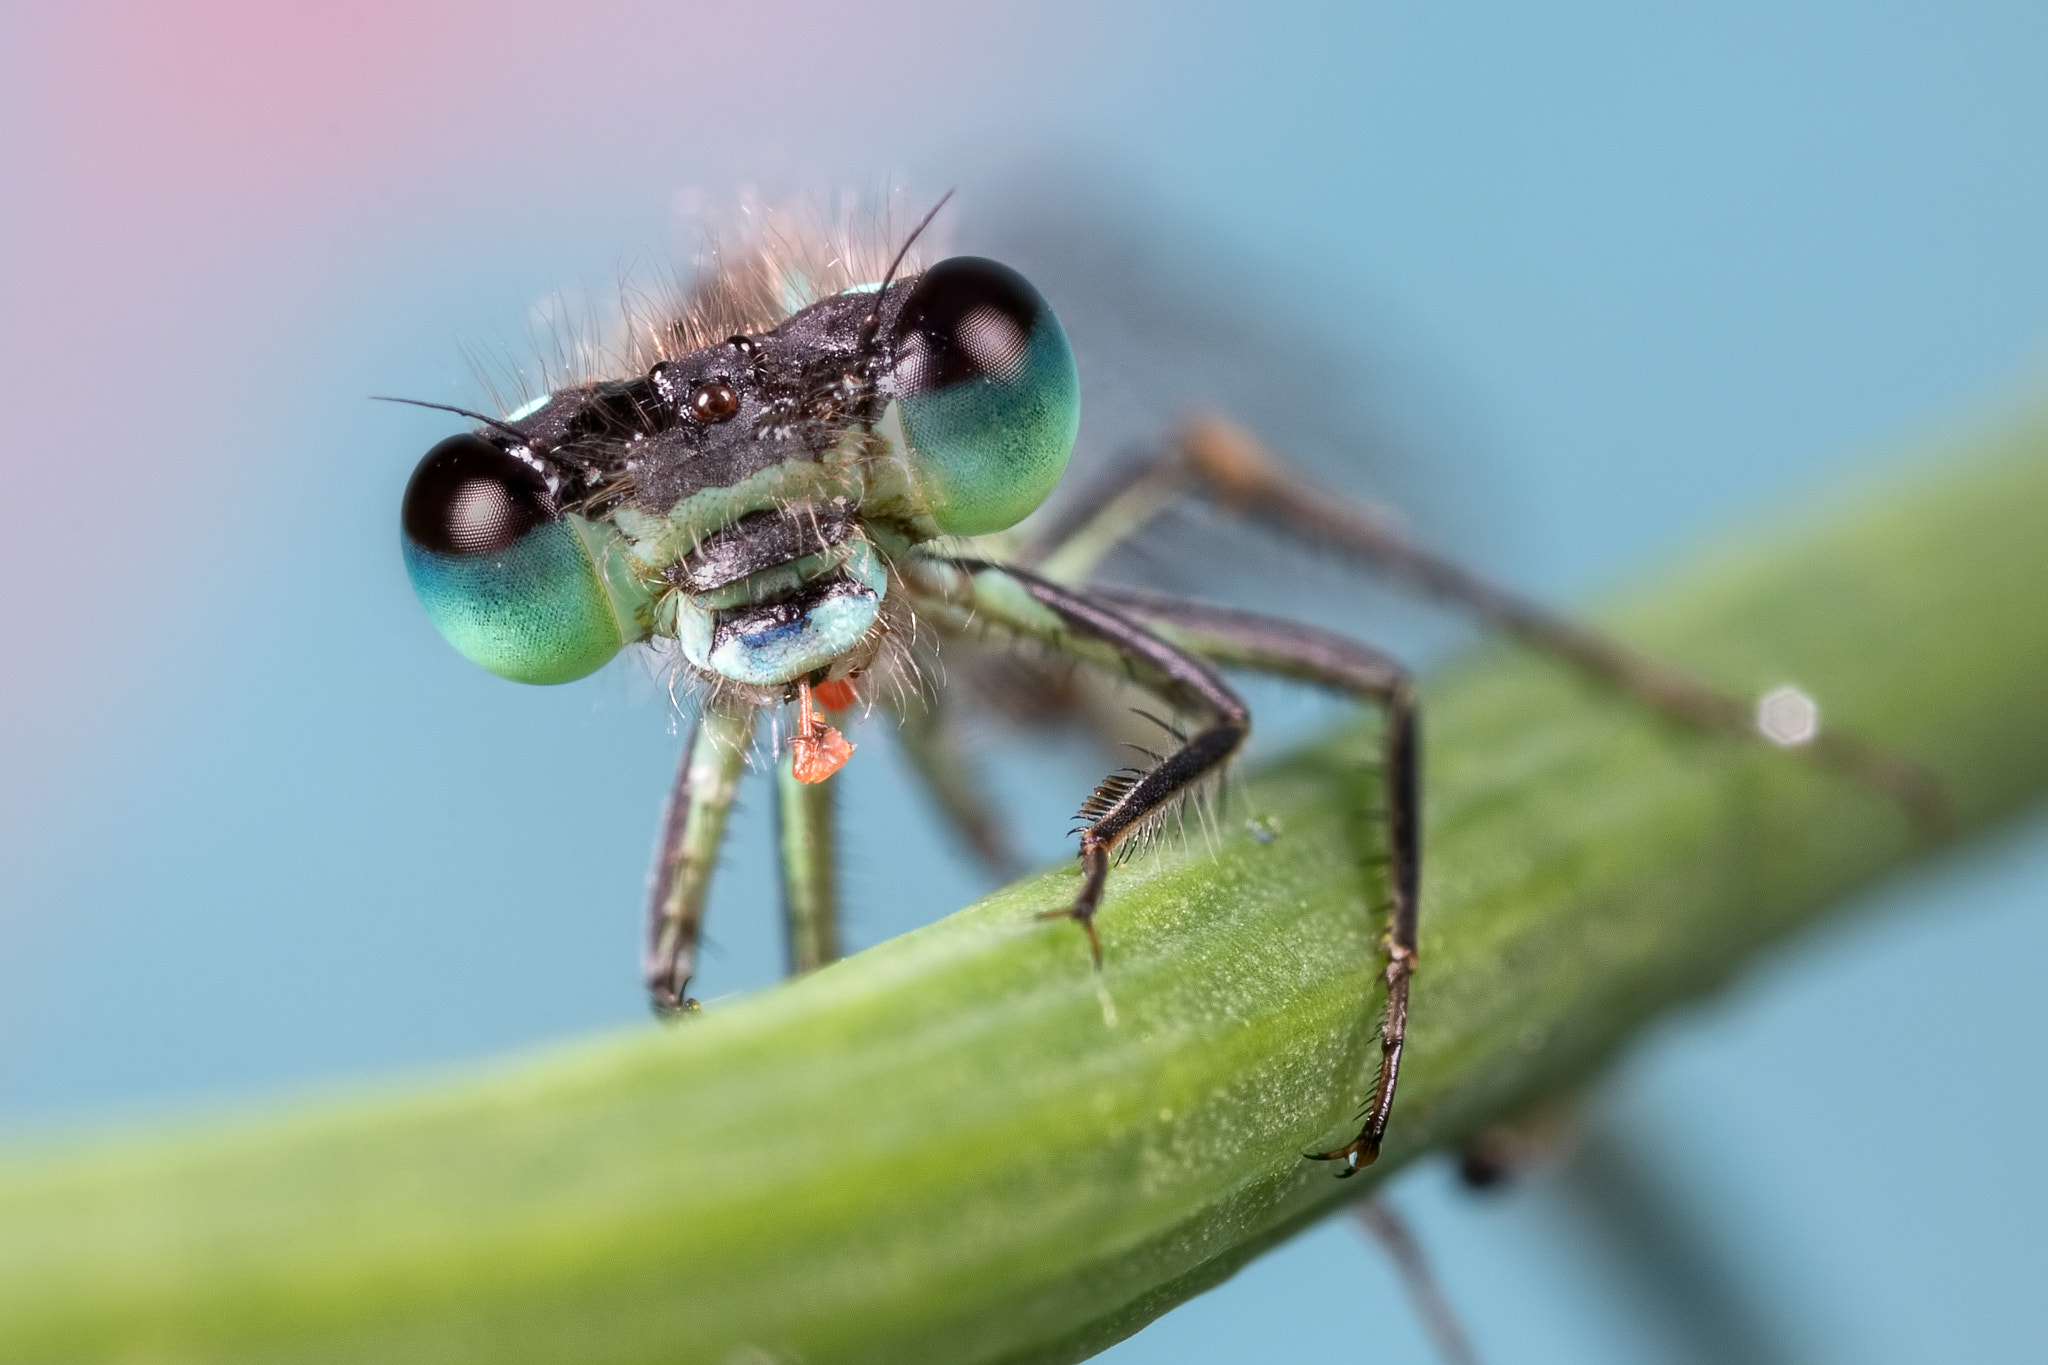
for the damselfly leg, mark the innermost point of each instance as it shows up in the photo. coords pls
(929, 737)
(1223, 464)
(805, 831)
(1266, 644)
(692, 827)
(1217, 461)
(1167, 645)
(1418, 1280)
(976, 593)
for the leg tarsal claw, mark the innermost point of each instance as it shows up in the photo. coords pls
(1086, 919)
(1356, 1155)
(668, 1007)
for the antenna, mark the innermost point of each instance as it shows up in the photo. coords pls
(514, 432)
(872, 323)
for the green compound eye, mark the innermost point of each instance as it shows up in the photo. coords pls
(989, 394)
(507, 579)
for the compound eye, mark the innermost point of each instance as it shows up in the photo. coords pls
(990, 396)
(469, 497)
(502, 574)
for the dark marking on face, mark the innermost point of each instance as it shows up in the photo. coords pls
(758, 541)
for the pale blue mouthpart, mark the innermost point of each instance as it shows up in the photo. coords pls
(763, 647)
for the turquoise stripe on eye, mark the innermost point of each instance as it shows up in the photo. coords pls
(990, 395)
(535, 611)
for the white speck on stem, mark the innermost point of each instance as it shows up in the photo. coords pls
(1787, 717)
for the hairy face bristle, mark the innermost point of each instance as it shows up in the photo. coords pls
(753, 267)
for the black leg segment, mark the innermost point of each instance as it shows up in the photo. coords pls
(1124, 802)
(1249, 640)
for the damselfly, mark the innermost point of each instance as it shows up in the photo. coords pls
(804, 479)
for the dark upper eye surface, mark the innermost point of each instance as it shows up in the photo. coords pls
(967, 318)
(989, 394)
(504, 576)
(470, 497)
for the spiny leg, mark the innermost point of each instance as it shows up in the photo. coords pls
(1224, 463)
(691, 828)
(1248, 640)
(1123, 802)
(1022, 690)
(932, 744)
(804, 830)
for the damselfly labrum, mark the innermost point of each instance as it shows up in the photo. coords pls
(804, 480)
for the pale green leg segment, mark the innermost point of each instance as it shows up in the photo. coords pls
(1080, 546)
(804, 827)
(691, 830)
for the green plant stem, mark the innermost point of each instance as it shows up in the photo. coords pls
(962, 1146)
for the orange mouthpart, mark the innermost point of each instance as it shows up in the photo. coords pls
(818, 750)
(836, 695)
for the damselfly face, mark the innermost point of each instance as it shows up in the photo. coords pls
(748, 498)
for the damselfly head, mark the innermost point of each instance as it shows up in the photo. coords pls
(748, 497)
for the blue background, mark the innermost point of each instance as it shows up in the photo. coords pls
(1612, 275)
